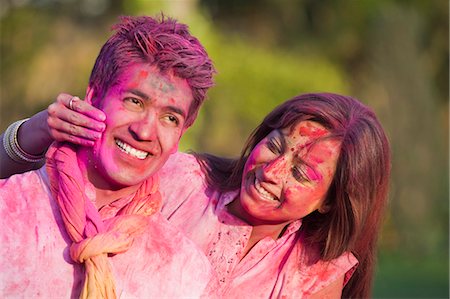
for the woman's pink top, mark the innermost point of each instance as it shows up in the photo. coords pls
(272, 269)
(35, 262)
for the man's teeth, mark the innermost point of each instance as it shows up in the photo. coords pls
(264, 194)
(126, 148)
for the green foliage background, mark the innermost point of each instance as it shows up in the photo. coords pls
(391, 54)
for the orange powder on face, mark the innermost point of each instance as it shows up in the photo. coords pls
(143, 75)
(311, 130)
(312, 175)
(140, 77)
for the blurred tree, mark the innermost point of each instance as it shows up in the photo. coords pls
(392, 54)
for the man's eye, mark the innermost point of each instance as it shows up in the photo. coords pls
(299, 173)
(133, 102)
(172, 119)
(275, 145)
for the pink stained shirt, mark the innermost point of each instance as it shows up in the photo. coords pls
(35, 262)
(272, 269)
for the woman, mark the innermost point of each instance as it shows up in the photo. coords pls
(298, 214)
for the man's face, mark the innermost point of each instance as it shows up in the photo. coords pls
(146, 113)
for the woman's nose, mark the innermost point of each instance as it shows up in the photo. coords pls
(275, 170)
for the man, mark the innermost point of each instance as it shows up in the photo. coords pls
(81, 226)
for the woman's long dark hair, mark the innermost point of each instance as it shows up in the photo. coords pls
(358, 192)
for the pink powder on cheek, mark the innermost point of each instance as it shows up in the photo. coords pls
(317, 160)
(312, 175)
(303, 205)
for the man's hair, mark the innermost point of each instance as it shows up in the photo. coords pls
(162, 42)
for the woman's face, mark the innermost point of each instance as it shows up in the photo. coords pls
(287, 175)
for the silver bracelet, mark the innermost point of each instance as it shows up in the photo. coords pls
(12, 147)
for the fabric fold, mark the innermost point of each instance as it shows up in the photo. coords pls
(94, 238)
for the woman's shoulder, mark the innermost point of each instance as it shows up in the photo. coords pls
(325, 273)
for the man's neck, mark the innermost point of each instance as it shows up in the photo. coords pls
(105, 192)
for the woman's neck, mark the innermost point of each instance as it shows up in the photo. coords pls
(260, 228)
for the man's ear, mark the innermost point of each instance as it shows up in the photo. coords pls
(175, 148)
(89, 95)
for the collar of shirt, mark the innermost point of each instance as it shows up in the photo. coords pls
(225, 216)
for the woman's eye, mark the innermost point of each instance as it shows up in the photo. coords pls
(274, 145)
(299, 173)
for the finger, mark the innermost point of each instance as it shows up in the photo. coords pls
(82, 120)
(72, 129)
(80, 106)
(62, 136)
(58, 113)
(88, 110)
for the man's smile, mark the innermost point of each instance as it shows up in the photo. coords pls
(128, 149)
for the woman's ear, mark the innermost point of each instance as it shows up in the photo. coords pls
(324, 208)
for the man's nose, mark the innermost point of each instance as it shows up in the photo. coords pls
(145, 129)
(275, 171)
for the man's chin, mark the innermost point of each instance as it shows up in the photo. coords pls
(128, 180)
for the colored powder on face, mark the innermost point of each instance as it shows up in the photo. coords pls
(278, 168)
(142, 75)
(312, 175)
(311, 130)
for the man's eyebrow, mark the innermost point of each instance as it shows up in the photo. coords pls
(177, 110)
(147, 98)
(138, 93)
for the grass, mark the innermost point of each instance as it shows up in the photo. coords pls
(409, 277)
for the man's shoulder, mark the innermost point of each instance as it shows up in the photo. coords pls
(180, 161)
(181, 180)
(182, 166)
(25, 194)
(26, 180)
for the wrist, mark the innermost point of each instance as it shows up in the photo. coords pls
(12, 147)
(34, 135)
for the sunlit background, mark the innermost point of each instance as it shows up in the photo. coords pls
(392, 55)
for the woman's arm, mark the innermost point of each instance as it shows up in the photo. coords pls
(81, 125)
(33, 137)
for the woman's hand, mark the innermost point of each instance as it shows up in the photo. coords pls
(76, 121)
